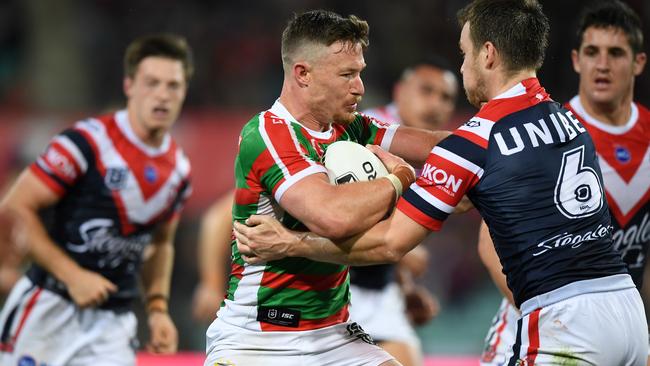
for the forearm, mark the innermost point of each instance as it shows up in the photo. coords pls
(157, 271)
(43, 250)
(414, 144)
(367, 248)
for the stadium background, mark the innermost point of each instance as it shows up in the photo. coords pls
(61, 60)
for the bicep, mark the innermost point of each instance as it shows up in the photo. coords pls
(403, 233)
(30, 192)
(306, 200)
(165, 232)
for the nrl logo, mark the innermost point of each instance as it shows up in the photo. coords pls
(473, 123)
(115, 178)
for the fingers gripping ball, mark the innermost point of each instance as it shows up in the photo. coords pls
(348, 162)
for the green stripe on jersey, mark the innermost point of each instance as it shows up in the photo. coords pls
(258, 173)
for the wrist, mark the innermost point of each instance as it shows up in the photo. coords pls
(157, 303)
(299, 240)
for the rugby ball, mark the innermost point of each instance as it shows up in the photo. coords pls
(348, 162)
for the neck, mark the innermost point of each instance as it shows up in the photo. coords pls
(294, 100)
(614, 113)
(150, 137)
(503, 81)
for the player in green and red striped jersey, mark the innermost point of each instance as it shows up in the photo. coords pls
(295, 311)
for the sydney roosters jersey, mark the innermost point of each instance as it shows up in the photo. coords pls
(114, 191)
(624, 157)
(530, 168)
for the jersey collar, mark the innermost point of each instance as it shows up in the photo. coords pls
(614, 130)
(122, 120)
(281, 111)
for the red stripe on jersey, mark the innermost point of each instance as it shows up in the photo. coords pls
(453, 173)
(623, 220)
(65, 166)
(496, 109)
(478, 140)
(47, 179)
(311, 324)
(125, 224)
(23, 319)
(236, 270)
(533, 337)
(282, 140)
(304, 282)
(418, 216)
(247, 196)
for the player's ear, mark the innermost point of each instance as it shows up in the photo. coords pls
(639, 63)
(127, 84)
(302, 73)
(574, 59)
(490, 55)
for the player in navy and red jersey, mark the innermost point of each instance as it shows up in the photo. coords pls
(115, 185)
(423, 97)
(530, 168)
(608, 57)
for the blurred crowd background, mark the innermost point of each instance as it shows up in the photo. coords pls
(62, 60)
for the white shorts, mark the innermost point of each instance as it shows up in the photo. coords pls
(592, 328)
(501, 335)
(382, 314)
(341, 344)
(40, 327)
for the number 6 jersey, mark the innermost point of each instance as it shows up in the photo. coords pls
(530, 168)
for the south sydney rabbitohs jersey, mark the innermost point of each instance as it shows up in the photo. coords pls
(114, 192)
(275, 152)
(530, 168)
(624, 157)
(377, 276)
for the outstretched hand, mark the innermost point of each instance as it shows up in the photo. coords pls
(263, 239)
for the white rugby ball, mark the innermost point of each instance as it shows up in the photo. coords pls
(348, 162)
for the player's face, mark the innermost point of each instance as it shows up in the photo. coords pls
(473, 80)
(336, 86)
(607, 65)
(426, 97)
(155, 94)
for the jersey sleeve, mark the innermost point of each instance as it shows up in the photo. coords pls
(64, 161)
(279, 159)
(453, 168)
(377, 132)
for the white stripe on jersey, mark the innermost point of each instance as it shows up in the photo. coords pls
(619, 190)
(458, 160)
(431, 199)
(138, 209)
(72, 148)
(387, 140)
(291, 180)
(482, 130)
(269, 145)
(614, 130)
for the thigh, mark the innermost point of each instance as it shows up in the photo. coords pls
(572, 331)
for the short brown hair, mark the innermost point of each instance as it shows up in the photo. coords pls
(321, 27)
(604, 14)
(160, 45)
(517, 28)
